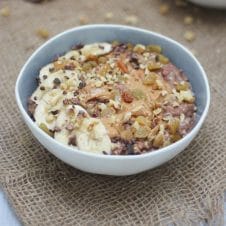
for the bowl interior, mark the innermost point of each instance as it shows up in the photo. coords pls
(97, 33)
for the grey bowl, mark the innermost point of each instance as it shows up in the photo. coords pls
(102, 164)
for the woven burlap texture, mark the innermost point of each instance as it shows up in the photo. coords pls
(45, 191)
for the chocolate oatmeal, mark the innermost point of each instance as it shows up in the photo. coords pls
(114, 98)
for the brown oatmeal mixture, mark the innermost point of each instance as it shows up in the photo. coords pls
(114, 98)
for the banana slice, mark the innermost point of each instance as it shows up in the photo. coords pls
(96, 49)
(92, 136)
(68, 77)
(62, 136)
(51, 100)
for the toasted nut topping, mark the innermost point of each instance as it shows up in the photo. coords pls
(157, 111)
(188, 20)
(164, 9)
(189, 36)
(43, 33)
(5, 11)
(132, 20)
(139, 48)
(49, 118)
(83, 19)
(108, 16)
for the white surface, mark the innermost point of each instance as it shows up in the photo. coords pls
(7, 216)
(110, 164)
(211, 3)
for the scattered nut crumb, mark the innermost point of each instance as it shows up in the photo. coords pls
(43, 33)
(5, 11)
(131, 19)
(194, 52)
(181, 3)
(188, 20)
(108, 16)
(189, 36)
(164, 9)
(83, 19)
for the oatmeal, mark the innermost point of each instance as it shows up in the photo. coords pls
(113, 98)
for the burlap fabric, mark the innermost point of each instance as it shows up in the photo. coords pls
(45, 191)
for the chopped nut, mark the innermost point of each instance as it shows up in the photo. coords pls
(189, 36)
(182, 117)
(63, 86)
(108, 16)
(83, 19)
(102, 106)
(58, 65)
(188, 20)
(164, 9)
(102, 59)
(5, 11)
(175, 104)
(114, 104)
(49, 118)
(157, 111)
(136, 125)
(132, 20)
(43, 33)
(164, 93)
(98, 84)
(70, 127)
(142, 120)
(127, 116)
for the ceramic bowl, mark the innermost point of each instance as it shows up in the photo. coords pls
(211, 3)
(110, 164)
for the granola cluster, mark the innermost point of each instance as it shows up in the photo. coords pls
(114, 98)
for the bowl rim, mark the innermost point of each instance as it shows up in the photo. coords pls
(76, 150)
